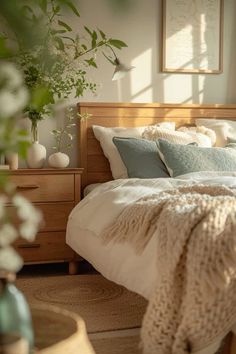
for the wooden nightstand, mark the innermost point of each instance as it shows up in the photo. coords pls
(55, 193)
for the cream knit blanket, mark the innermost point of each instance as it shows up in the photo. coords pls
(194, 302)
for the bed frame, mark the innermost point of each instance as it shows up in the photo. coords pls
(92, 159)
(95, 164)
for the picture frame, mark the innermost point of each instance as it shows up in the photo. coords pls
(192, 36)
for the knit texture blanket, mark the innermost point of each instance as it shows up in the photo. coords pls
(194, 302)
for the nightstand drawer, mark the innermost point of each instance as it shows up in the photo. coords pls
(55, 216)
(47, 247)
(45, 188)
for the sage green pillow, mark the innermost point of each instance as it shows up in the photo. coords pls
(182, 159)
(141, 158)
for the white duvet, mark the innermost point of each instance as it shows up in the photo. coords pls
(119, 262)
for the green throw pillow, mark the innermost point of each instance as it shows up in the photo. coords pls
(182, 159)
(141, 158)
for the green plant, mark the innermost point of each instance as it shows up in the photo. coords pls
(57, 67)
(63, 136)
(33, 60)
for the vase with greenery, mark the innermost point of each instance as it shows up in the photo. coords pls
(69, 56)
(63, 141)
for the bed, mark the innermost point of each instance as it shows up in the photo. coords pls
(116, 261)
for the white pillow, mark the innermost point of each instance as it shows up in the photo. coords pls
(201, 133)
(183, 136)
(222, 128)
(105, 135)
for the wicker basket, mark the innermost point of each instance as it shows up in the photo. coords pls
(59, 331)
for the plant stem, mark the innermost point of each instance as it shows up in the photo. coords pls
(34, 131)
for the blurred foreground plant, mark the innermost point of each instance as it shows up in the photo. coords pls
(24, 220)
(56, 66)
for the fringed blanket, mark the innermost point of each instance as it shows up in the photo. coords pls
(194, 302)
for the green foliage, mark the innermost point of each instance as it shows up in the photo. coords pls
(56, 65)
(12, 138)
(63, 136)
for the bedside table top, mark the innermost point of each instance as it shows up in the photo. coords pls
(45, 171)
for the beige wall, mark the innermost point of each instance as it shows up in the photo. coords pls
(140, 28)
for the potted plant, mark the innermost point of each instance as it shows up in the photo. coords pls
(65, 72)
(63, 140)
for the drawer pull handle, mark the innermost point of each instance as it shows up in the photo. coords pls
(29, 245)
(27, 186)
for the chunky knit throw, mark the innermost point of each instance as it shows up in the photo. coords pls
(194, 302)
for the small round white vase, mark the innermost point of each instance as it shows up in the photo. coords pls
(58, 160)
(36, 155)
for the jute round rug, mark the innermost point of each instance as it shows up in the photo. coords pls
(103, 304)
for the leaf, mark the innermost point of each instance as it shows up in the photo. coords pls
(73, 8)
(101, 43)
(65, 25)
(27, 10)
(60, 43)
(43, 5)
(102, 34)
(94, 39)
(4, 51)
(23, 132)
(109, 59)
(57, 9)
(88, 30)
(22, 147)
(84, 46)
(58, 31)
(71, 39)
(117, 43)
(91, 62)
(41, 96)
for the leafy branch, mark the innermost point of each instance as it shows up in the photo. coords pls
(57, 66)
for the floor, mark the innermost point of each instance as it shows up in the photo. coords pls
(123, 341)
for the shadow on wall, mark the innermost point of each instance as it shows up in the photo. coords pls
(147, 84)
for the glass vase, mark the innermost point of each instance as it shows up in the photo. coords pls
(15, 317)
(34, 131)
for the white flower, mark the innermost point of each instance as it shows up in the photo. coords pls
(10, 76)
(30, 216)
(26, 210)
(8, 234)
(13, 94)
(28, 230)
(10, 260)
(12, 102)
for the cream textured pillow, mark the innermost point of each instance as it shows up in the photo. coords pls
(105, 135)
(223, 128)
(202, 130)
(184, 137)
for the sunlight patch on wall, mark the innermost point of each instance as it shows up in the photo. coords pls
(183, 89)
(145, 96)
(141, 77)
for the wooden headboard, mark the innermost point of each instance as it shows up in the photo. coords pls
(95, 164)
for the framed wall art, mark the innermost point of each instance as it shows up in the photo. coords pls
(192, 36)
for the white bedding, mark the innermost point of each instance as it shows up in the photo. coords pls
(119, 262)
(100, 207)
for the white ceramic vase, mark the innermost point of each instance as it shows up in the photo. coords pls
(36, 155)
(58, 160)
